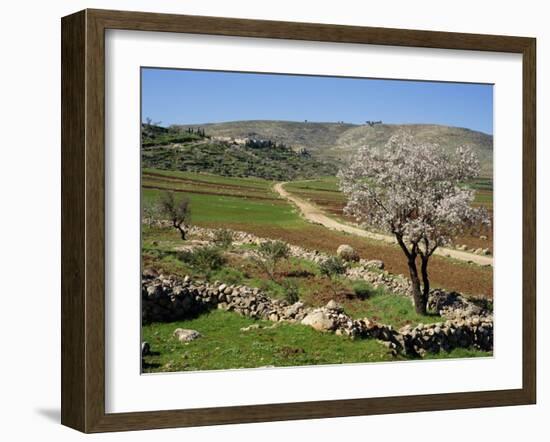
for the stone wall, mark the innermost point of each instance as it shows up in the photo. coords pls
(168, 298)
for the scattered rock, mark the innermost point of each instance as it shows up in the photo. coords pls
(250, 327)
(375, 264)
(150, 273)
(186, 335)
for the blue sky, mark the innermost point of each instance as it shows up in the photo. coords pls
(193, 97)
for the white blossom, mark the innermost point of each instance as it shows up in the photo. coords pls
(414, 190)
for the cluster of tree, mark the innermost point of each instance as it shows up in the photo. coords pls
(255, 143)
(373, 123)
(198, 131)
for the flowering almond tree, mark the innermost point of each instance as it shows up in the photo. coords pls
(416, 192)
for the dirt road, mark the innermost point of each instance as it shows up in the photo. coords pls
(314, 214)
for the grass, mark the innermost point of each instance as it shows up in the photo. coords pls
(459, 353)
(211, 179)
(327, 184)
(228, 211)
(390, 309)
(224, 346)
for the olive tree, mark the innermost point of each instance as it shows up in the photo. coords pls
(417, 192)
(177, 210)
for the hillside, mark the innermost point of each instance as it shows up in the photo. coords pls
(181, 150)
(334, 142)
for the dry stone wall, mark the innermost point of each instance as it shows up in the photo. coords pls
(168, 298)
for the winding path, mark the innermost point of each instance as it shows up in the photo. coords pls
(315, 215)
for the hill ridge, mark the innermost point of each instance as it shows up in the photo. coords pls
(334, 141)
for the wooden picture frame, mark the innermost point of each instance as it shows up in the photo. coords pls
(83, 216)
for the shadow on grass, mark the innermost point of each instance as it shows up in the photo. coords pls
(145, 365)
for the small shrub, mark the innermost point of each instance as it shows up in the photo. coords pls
(362, 289)
(270, 287)
(203, 259)
(291, 292)
(270, 253)
(332, 267)
(223, 238)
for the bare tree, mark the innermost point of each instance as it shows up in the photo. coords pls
(177, 210)
(415, 191)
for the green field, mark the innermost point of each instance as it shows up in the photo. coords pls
(219, 200)
(224, 346)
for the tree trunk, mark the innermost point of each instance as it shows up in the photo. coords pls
(425, 282)
(418, 297)
(182, 231)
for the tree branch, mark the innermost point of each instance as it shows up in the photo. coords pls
(403, 246)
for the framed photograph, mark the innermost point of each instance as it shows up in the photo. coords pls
(267, 220)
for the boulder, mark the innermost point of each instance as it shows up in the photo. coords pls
(319, 320)
(186, 335)
(347, 253)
